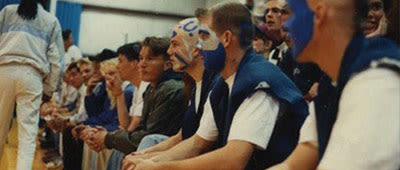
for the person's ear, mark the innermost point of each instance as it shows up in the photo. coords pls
(227, 38)
(196, 54)
(134, 64)
(167, 65)
(320, 14)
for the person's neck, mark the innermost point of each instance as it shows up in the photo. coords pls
(78, 87)
(266, 55)
(66, 47)
(135, 80)
(233, 59)
(333, 54)
(153, 84)
(276, 37)
(196, 72)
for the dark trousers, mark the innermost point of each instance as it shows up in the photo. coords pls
(72, 151)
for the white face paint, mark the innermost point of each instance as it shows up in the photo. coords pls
(208, 40)
(184, 39)
(212, 50)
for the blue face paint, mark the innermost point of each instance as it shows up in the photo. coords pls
(174, 34)
(185, 35)
(180, 58)
(212, 50)
(190, 26)
(214, 59)
(300, 25)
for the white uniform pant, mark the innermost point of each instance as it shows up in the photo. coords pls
(21, 85)
(92, 160)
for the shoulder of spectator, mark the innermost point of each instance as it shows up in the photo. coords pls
(169, 88)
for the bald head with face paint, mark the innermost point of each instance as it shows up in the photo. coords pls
(183, 47)
(322, 29)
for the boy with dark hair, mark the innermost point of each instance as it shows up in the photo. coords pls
(163, 105)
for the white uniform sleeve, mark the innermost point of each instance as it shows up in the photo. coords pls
(308, 132)
(54, 53)
(255, 119)
(208, 129)
(76, 53)
(366, 135)
(81, 116)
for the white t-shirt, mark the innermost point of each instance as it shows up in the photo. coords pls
(137, 101)
(253, 122)
(198, 95)
(366, 135)
(73, 54)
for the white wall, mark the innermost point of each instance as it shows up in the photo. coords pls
(104, 28)
(109, 23)
(210, 3)
(174, 7)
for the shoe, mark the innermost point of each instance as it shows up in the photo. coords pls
(50, 157)
(55, 164)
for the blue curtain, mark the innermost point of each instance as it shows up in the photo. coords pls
(69, 15)
(3, 3)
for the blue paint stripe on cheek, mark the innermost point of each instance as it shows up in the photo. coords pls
(180, 58)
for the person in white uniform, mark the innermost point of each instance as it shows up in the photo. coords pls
(72, 52)
(30, 49)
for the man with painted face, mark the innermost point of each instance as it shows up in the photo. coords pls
(363, 133)
(185, 57)
(240, 118)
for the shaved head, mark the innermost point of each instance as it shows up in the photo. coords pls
(351, 13)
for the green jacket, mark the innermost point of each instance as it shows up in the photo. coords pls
(163, 111)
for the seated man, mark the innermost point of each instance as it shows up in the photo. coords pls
(185, 58)
(254, 112)
(163, 105)
(97, 95)
(57, 122)
(356, 125)
(128, 59)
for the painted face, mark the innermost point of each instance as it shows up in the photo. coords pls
(375, 13)
(300, 25)
(183, 42)
(212, 50)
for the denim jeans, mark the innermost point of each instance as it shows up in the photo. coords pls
(151, 140)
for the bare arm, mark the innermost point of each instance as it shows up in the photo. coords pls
(134, 123)
(123, 115)
(220, 159)
(165, 145)
(304, 157)
(189, 148)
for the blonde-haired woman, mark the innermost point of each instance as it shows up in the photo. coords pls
(107, 120)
